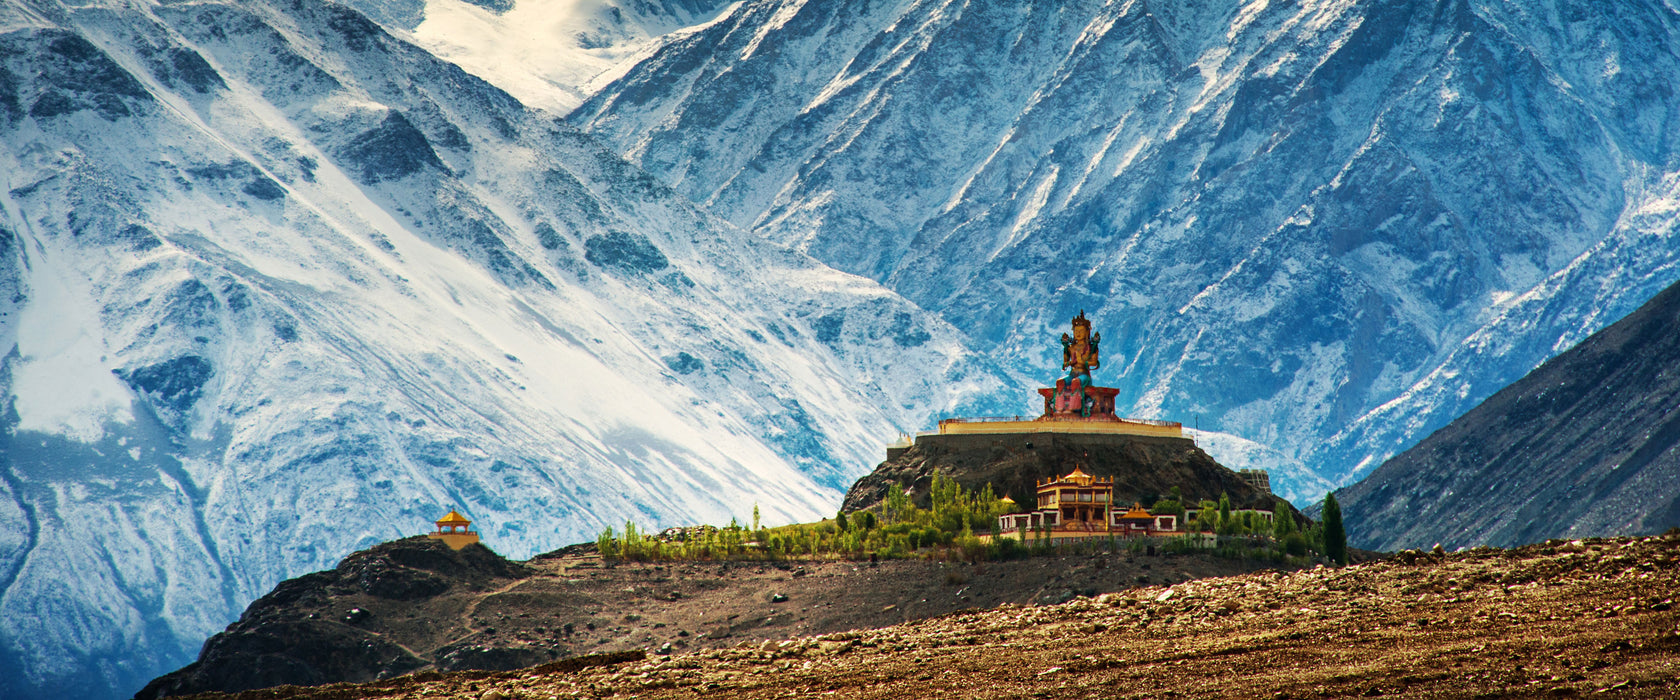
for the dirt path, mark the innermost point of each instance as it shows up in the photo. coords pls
(469, 614)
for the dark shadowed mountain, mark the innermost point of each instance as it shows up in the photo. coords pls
(1588, 444)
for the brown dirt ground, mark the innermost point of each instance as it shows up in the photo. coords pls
(578, 605)
(1555, 620)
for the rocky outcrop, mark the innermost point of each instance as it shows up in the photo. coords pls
(337, 625)
(1143, 468)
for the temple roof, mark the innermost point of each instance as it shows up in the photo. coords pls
(453, 518)
(1077, 477)
(1137, 513)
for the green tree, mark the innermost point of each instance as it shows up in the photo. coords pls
(630, 548)
(868, 520)
(840, 521)
(605, 544)
(1335, 538)
(756, 526)
(1167, 506)
(1283, 522)
(1207, 516)
(1224, 508)
(898, 505)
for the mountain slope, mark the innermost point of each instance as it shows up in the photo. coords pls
(1323, 227)
(1588, 444)
(278, 285)
(550, 54)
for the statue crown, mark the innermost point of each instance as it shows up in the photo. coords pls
(1080, 320)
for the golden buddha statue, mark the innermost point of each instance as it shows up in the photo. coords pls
(1079, 351)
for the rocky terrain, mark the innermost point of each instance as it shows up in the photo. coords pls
(1588, 443)
(1143, 468)
(415, 606)
(1560, 619)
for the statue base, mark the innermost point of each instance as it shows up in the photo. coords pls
(1072, 400)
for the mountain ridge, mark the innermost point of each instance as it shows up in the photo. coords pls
(1585, 445)
(1323, 228)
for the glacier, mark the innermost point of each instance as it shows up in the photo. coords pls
(1325, 228)
(280, 284)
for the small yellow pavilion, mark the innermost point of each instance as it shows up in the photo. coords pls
(454, 530)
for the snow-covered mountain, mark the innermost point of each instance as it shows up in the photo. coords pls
(1325, 227)
(549, 54)
(278, 285)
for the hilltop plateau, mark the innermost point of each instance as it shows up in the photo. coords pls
(1557, 619)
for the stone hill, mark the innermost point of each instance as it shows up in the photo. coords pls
(1564, 619)
(1588, 444)
(1143, 467)
(355, 622)
(414, 607)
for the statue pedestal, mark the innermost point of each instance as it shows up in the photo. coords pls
(1070, 399)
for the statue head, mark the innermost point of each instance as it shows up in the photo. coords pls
(1081, 326)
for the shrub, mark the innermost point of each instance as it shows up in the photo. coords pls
(1295, 544)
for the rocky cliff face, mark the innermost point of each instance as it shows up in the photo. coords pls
(1324, 227)
(276, 285)
(1587, 444)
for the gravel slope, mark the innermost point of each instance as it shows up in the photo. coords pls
(1550, 620)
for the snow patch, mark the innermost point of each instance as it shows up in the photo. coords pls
(552, 54)
(61, 381)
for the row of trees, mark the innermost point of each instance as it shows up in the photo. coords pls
(947, 529)
(1326, 537)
